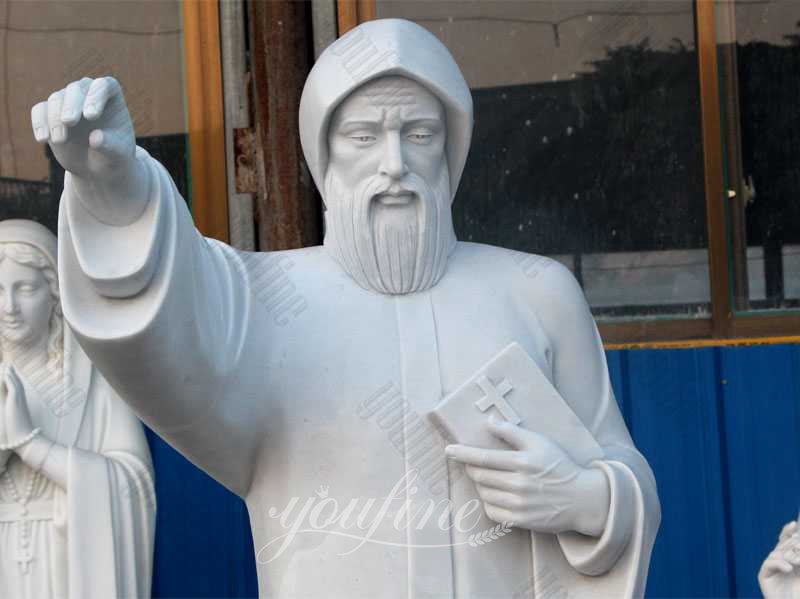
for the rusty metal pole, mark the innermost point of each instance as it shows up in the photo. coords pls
(288, 211)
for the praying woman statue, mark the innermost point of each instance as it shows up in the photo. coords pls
(77, 501)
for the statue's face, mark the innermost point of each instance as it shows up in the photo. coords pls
(387, 187)
(25, 303)
(391, 126)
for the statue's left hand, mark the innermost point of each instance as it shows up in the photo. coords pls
(779, 577)
(535, 485)
(16, 416)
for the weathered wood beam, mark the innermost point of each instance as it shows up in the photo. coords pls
(288, 211)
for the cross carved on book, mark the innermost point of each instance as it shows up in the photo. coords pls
(496, 396)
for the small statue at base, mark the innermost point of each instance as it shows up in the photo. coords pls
(779, 577)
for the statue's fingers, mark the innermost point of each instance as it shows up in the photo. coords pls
(499, 459)
(100, 92)
(11, 373)
(514, 435)
(787, 542)
(112, 145)
(58, 131)
(74, 97)
(788, 530)
(13, 378)
(774, 565)
(39, 122)
(13, 384)
(501, 499)
(497, 513)
(497, 479)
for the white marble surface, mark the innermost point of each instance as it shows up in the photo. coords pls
(306, 377)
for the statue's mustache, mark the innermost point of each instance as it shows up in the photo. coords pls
(380, 185)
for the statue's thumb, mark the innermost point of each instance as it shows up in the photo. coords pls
(110, 144)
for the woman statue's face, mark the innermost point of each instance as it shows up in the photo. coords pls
(25, 303)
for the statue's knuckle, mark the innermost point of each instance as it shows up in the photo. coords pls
(524, 462)
(112, 83)
(517, 502)
(520, 484)
(510, 482)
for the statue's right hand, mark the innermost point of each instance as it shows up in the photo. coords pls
(88, 127)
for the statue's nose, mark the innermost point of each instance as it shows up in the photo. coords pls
(10, 302)
(393, 162)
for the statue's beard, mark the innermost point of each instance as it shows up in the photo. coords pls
(390, 248)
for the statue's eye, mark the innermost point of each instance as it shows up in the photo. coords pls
(363, 139)
(27, 288)
(420, 136)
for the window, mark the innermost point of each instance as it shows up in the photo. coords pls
(630, 141)
(49, 44)
(759, 48)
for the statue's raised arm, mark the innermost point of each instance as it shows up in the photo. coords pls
(151, 300)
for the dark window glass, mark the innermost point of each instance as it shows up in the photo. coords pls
(759, 53)
(587, 145)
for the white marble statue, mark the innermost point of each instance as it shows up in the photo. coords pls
(77, 505)
(303, 380)
(779, 577)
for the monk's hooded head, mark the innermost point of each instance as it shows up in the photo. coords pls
(385, 123)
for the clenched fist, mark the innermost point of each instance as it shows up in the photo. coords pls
(90, 131)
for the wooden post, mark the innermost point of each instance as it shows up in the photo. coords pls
(719, 270)
(206, 118)
(287, 208)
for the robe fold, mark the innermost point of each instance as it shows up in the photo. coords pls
(288, 383)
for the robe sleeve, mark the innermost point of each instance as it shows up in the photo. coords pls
(110, 504)
(163, 314)
(616, 563)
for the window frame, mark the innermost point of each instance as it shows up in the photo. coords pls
(724, 326)
(206, 117)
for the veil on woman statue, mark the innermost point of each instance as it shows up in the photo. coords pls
(84, 526)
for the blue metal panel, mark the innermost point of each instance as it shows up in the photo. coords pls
(761, 415)
(618, 372)
(203, 543)
(671, 397)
